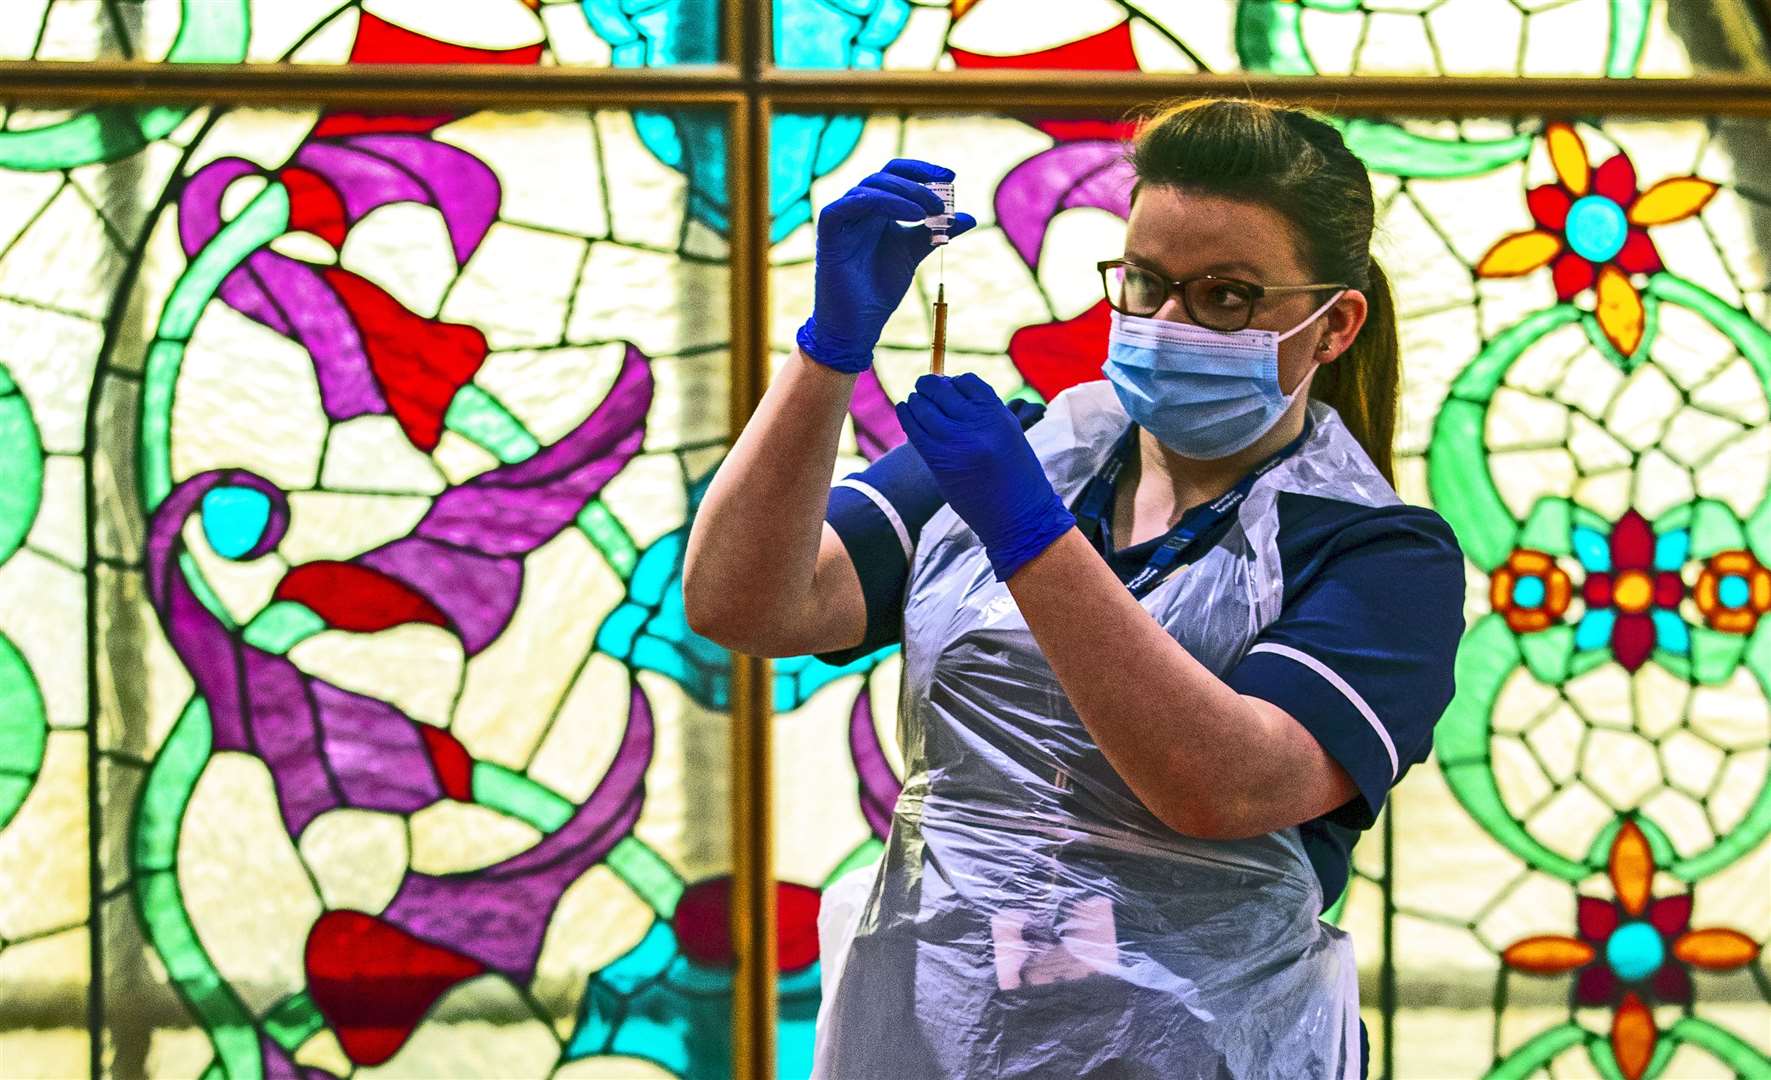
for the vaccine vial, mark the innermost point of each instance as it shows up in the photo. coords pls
(938, 224)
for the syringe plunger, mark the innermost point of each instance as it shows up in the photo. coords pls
(938, 351)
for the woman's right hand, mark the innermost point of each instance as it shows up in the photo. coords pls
(866, 260)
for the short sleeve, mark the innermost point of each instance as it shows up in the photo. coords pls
(878, 514)
(1363, 651)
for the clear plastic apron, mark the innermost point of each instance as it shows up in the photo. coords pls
(1030, 917)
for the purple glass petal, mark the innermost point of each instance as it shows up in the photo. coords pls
(245, 292)
(476, 592)
(516, 508)
(500, 915)
(876, 422)
(461, 186)
(364, 181)
(292, 297)
(1087, 173)
(879, 787)
(199, 205)
(281, 724)
(375, 750)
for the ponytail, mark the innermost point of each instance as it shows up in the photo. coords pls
(1365, 384)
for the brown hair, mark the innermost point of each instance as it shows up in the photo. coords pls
(1295, 162)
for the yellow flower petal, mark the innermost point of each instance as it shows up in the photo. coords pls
(1717, 950)
(1550, 954)
(960, 6)
(1632, 864)
(1520, 253)
(1620, 311)
(1569, 155)
(1671, 200)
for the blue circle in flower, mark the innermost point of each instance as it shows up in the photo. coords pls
(1734, 592)
(1528, 592)
(1596, 228)
(1635, 951)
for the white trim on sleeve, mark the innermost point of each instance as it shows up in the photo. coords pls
(885, 507)
(1340, 684)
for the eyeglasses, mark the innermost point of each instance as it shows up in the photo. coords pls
(1216, 303)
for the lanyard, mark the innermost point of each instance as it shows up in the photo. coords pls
(1194, 524)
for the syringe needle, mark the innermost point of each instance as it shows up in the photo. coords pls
(938, 352)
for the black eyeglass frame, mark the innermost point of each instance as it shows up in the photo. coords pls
(1179, 288)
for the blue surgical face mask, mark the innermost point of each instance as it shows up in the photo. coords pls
(1204, 393)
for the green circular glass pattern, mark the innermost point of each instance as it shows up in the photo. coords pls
(22, 730)
(21, 466)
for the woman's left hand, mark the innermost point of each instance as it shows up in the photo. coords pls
(984, 468)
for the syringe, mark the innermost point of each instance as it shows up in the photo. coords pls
(938, 224)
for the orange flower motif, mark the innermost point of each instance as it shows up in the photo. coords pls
(1632, 948)
(1734, 592)
(1530, 591)
(1593, 225)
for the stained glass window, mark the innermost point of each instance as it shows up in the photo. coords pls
(403, 754)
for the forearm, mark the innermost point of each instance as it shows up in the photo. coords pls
(753, 551)
(1206, 760)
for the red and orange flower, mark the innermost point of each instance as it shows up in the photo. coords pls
(1530, 591)
(1633, 951)
(1592, 228)
(1734, 592)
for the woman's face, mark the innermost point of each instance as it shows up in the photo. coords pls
(1182, 234)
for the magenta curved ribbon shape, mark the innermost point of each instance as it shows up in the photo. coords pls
(876, 420)
(462, 555)
(291, 297)
(1092, 172)
(879, 787)
(499, 915)
(325, 747)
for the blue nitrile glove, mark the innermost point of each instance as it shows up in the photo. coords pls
(984, 468)
(865, 260)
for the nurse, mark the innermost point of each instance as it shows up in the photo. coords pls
(1168, 644)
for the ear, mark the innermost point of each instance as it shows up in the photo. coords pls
(1340, 325)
